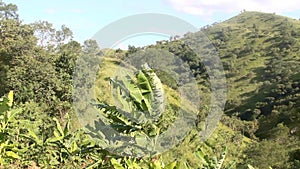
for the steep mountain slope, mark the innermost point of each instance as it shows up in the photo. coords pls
(250, 44)
(261, 57)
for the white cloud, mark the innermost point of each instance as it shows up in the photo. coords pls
(209, 7)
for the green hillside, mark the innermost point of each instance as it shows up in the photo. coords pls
(261, 58)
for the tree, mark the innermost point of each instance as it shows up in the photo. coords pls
(8, 11)
(16, 41)
(50, 37)
(37, 62)
(267, 153)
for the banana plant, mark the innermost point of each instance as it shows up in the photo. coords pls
(212, 163)
(141, 103)
(137, 114)
(64, 146)
(8, 150)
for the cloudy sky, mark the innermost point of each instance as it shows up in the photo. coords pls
(87, 17)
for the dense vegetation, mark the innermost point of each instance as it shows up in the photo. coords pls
(260, 127)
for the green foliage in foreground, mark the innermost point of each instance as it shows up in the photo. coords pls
(21, 146)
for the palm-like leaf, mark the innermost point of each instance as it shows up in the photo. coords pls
(141, 102)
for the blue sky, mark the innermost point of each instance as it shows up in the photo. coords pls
(87, 17)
